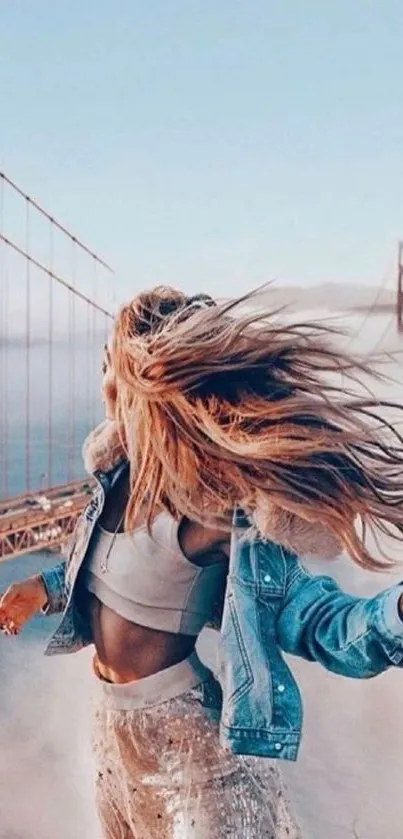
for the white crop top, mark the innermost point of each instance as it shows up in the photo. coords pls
(148, 580)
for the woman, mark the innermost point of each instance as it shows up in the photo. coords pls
(216, 425)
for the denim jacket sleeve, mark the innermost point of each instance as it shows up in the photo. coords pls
(54, 580)
(351, 636)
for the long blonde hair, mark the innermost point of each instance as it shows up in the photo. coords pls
(224, 410)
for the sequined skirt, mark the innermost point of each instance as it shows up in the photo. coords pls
(162, 773)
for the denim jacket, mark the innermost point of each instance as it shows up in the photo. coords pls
(272, 604)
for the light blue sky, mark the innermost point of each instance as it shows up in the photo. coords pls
(213, 144)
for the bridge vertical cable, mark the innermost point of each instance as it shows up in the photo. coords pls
(28, 350)
(89, 384)
(94, 371)
(3, 353)
(72, 371)
(6, 371)
(50, 354)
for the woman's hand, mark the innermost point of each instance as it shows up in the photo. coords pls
(20, 603)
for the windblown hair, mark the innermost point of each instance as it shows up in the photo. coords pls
(222, 409)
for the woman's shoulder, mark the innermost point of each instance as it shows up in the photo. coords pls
(201, 544)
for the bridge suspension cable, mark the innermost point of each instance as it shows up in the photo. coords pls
(54, 276)
(54, 221)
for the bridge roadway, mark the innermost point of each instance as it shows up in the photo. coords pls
(41, 521)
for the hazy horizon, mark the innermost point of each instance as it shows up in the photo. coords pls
(346, 296)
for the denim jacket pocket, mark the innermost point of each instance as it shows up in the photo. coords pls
(270, 570)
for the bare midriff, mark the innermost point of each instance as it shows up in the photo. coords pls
(126, 652)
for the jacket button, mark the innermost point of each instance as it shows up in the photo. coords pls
(281, 688)
(278, 747)
(267, 578)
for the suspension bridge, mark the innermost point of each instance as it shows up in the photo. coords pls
(56, 304)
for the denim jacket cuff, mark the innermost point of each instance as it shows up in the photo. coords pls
(54, 582)
(390, 612)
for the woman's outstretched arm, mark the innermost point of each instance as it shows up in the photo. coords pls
(352, 636)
